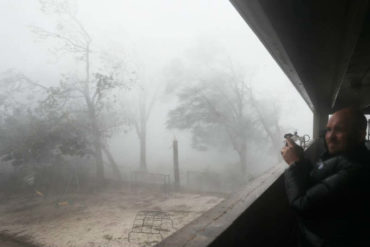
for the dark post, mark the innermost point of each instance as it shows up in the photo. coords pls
(319, 122)
(176, 164)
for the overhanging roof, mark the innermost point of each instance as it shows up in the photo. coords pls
(322, 46)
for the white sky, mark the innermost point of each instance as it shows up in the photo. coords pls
(152, 32)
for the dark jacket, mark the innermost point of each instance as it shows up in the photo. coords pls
(332, 199)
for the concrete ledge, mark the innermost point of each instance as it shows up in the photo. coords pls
(212, 224)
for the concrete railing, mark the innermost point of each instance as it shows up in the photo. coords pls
(259, 215)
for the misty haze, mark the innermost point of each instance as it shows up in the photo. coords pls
(123, 121)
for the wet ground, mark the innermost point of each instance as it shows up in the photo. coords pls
(111, 217)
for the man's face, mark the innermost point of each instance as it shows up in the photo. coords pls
(339, 135)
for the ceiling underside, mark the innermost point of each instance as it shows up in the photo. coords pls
(322, 46)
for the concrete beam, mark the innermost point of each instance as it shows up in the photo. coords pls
(258, 20)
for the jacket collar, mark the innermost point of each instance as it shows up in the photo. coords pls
(360, 153)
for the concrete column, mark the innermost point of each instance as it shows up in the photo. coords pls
(320, 119)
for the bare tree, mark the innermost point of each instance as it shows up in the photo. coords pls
(266, 112)
(220, 110)
(140, 110)
(75, 39)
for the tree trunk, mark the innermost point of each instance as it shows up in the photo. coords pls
(94, 122)
(243, 158)
(97, 144)
(98, 156)
(243, 161)
(112, 163)
(143, 150)
(275, 137)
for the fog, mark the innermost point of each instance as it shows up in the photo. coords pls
(96, 80)
(148, 37)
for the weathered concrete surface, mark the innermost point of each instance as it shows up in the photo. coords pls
(9, 243)
(7, 240)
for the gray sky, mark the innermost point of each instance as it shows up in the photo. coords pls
(151, 33)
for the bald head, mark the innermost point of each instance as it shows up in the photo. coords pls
(346, 130)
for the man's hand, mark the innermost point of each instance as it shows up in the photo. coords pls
(292, 152)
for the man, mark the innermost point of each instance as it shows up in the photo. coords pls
(332, 197)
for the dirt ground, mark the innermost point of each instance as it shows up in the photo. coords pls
(108, 218)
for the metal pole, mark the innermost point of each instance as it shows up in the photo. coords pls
(176, 164)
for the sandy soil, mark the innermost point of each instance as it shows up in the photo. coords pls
(101, 219)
